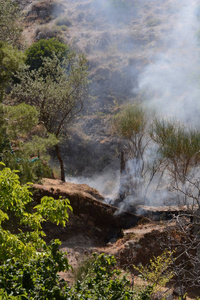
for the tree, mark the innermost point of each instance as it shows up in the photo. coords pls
(25, 142)
(179, 147)
(11, 60)
(36, 53)
(21, 231)
(10, 30)
(131, 125)
(57, 90)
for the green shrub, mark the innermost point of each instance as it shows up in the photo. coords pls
(63, 21)
(38, 278)
(20, 230)
(63, 27)
(45, 49)
(102, 281)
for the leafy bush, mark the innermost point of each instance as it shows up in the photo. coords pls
(11, 60)
(24, 143)
(178, 145)
(45, 49)
(9, 25)
(38, 278)
(21, 231)
(158, 272)
(102, 281)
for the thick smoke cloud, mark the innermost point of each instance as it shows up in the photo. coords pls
(172, 82)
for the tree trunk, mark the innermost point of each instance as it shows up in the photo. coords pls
(62, 168)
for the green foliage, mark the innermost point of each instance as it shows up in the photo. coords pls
(54, 210)
(20, 119)
(57, 94)
(38, 278)
(103, 281)
(130, 122)
(11, 60)
(4, 141)
(83, 269)
(178, 145)
(57, 89)
(20, 231)
(45, 49)
(5, 296)
(158, 272)
(25, 143)
(9, 16)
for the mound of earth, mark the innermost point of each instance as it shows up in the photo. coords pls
(90, 214)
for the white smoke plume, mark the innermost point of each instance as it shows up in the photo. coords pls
(107, 183)
(172, 80)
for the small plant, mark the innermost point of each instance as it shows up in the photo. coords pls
(158, 272)
(63, 21)
(83, 269)
(102, 281)
(64, 28)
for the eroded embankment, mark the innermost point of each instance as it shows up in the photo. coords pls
(90, 214)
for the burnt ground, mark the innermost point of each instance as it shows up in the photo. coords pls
(95, 227)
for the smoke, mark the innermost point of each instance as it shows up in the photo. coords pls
(170, 86)
(171, 83)
(107, 183)
(131, 57)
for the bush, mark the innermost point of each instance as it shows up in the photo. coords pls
(102, 281)
(44, 49)
(21, 231)
(38, 278)
(63, 21)
(46, 33)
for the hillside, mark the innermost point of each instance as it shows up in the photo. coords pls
(131, 47)
(135, 196)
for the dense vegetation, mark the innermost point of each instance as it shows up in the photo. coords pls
(49, 77)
